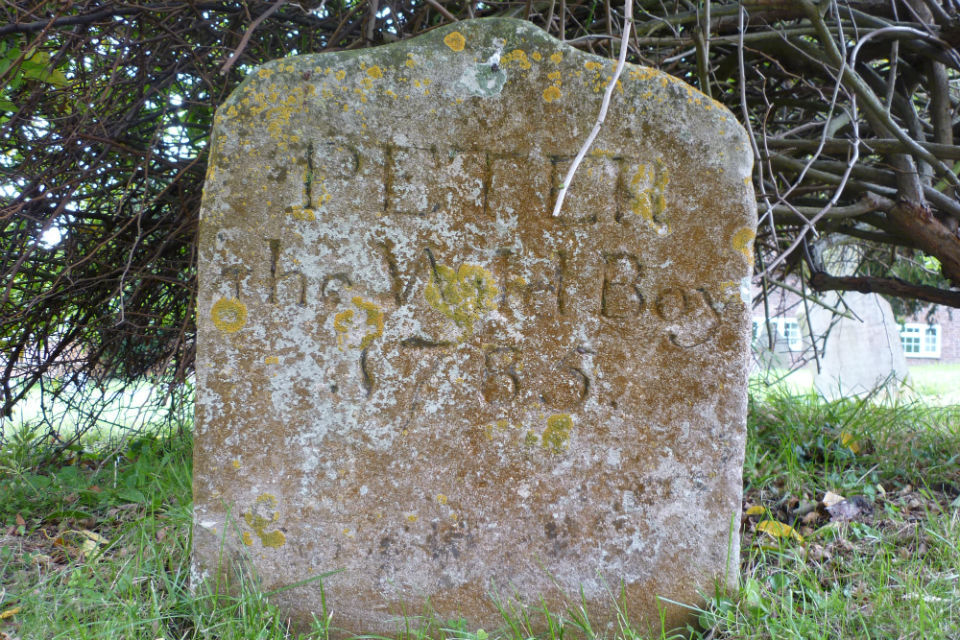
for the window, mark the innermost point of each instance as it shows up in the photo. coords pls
(788, 332)
(789, 328)
(920, 340)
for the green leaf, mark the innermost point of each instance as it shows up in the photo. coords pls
(131, 495)
(37, 67)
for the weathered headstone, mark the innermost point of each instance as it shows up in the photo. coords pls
(859, 355)
(410, 370)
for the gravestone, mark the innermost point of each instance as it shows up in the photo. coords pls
(409, 370)
(860, 354)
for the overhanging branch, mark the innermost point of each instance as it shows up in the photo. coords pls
(821, 281)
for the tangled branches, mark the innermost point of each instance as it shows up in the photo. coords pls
(106, 107)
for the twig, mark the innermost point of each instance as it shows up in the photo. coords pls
(876, 145)
(871, 103)
(624, 45)
(246, 36)
(439, 7)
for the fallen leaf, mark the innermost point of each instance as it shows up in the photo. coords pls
(755, 510)
(819, 553)
(20, 521)
(850, 442)
(805, 507)
(831, 499)
(9, 613)
(89, 547)
(94, 489)
(849, 509)
(94, 536)
(778, 529)
(42, 559)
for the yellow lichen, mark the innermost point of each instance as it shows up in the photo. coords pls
(271, 360)
(235, 463)
(265, 73)
(374, 319)
(455, 41)
(517, 55)
(648, 187)
(340, 75)
(341, 324)
(442, 499)
(412, 517)
(556, 58)
(536, 56)
(301, 213)
(411, 63)
(464, 295)
(742, 242)
(247, 539)
(375, 72)
(259, 523)
(551, 93)
(228, 315)
(557, 434)
(592, 66)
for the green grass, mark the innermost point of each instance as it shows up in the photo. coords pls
(937, 383)
(100, 548)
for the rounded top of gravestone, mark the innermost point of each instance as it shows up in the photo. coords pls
(481, 80)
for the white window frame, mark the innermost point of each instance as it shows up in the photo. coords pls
(920, 332)
(780, 324)
(795, 341)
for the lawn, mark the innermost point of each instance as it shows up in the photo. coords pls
(850, 529)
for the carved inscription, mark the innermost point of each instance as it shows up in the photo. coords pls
(454, 298)
(423, 181)
(620, 294)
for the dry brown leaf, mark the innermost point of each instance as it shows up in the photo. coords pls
(20, 521)
(849, 509)
(831, 498)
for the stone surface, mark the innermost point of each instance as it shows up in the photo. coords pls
(858, 356)
(409, 370)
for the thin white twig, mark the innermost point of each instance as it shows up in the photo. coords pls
(624, 45)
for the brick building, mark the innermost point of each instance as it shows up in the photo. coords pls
(928, 337)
